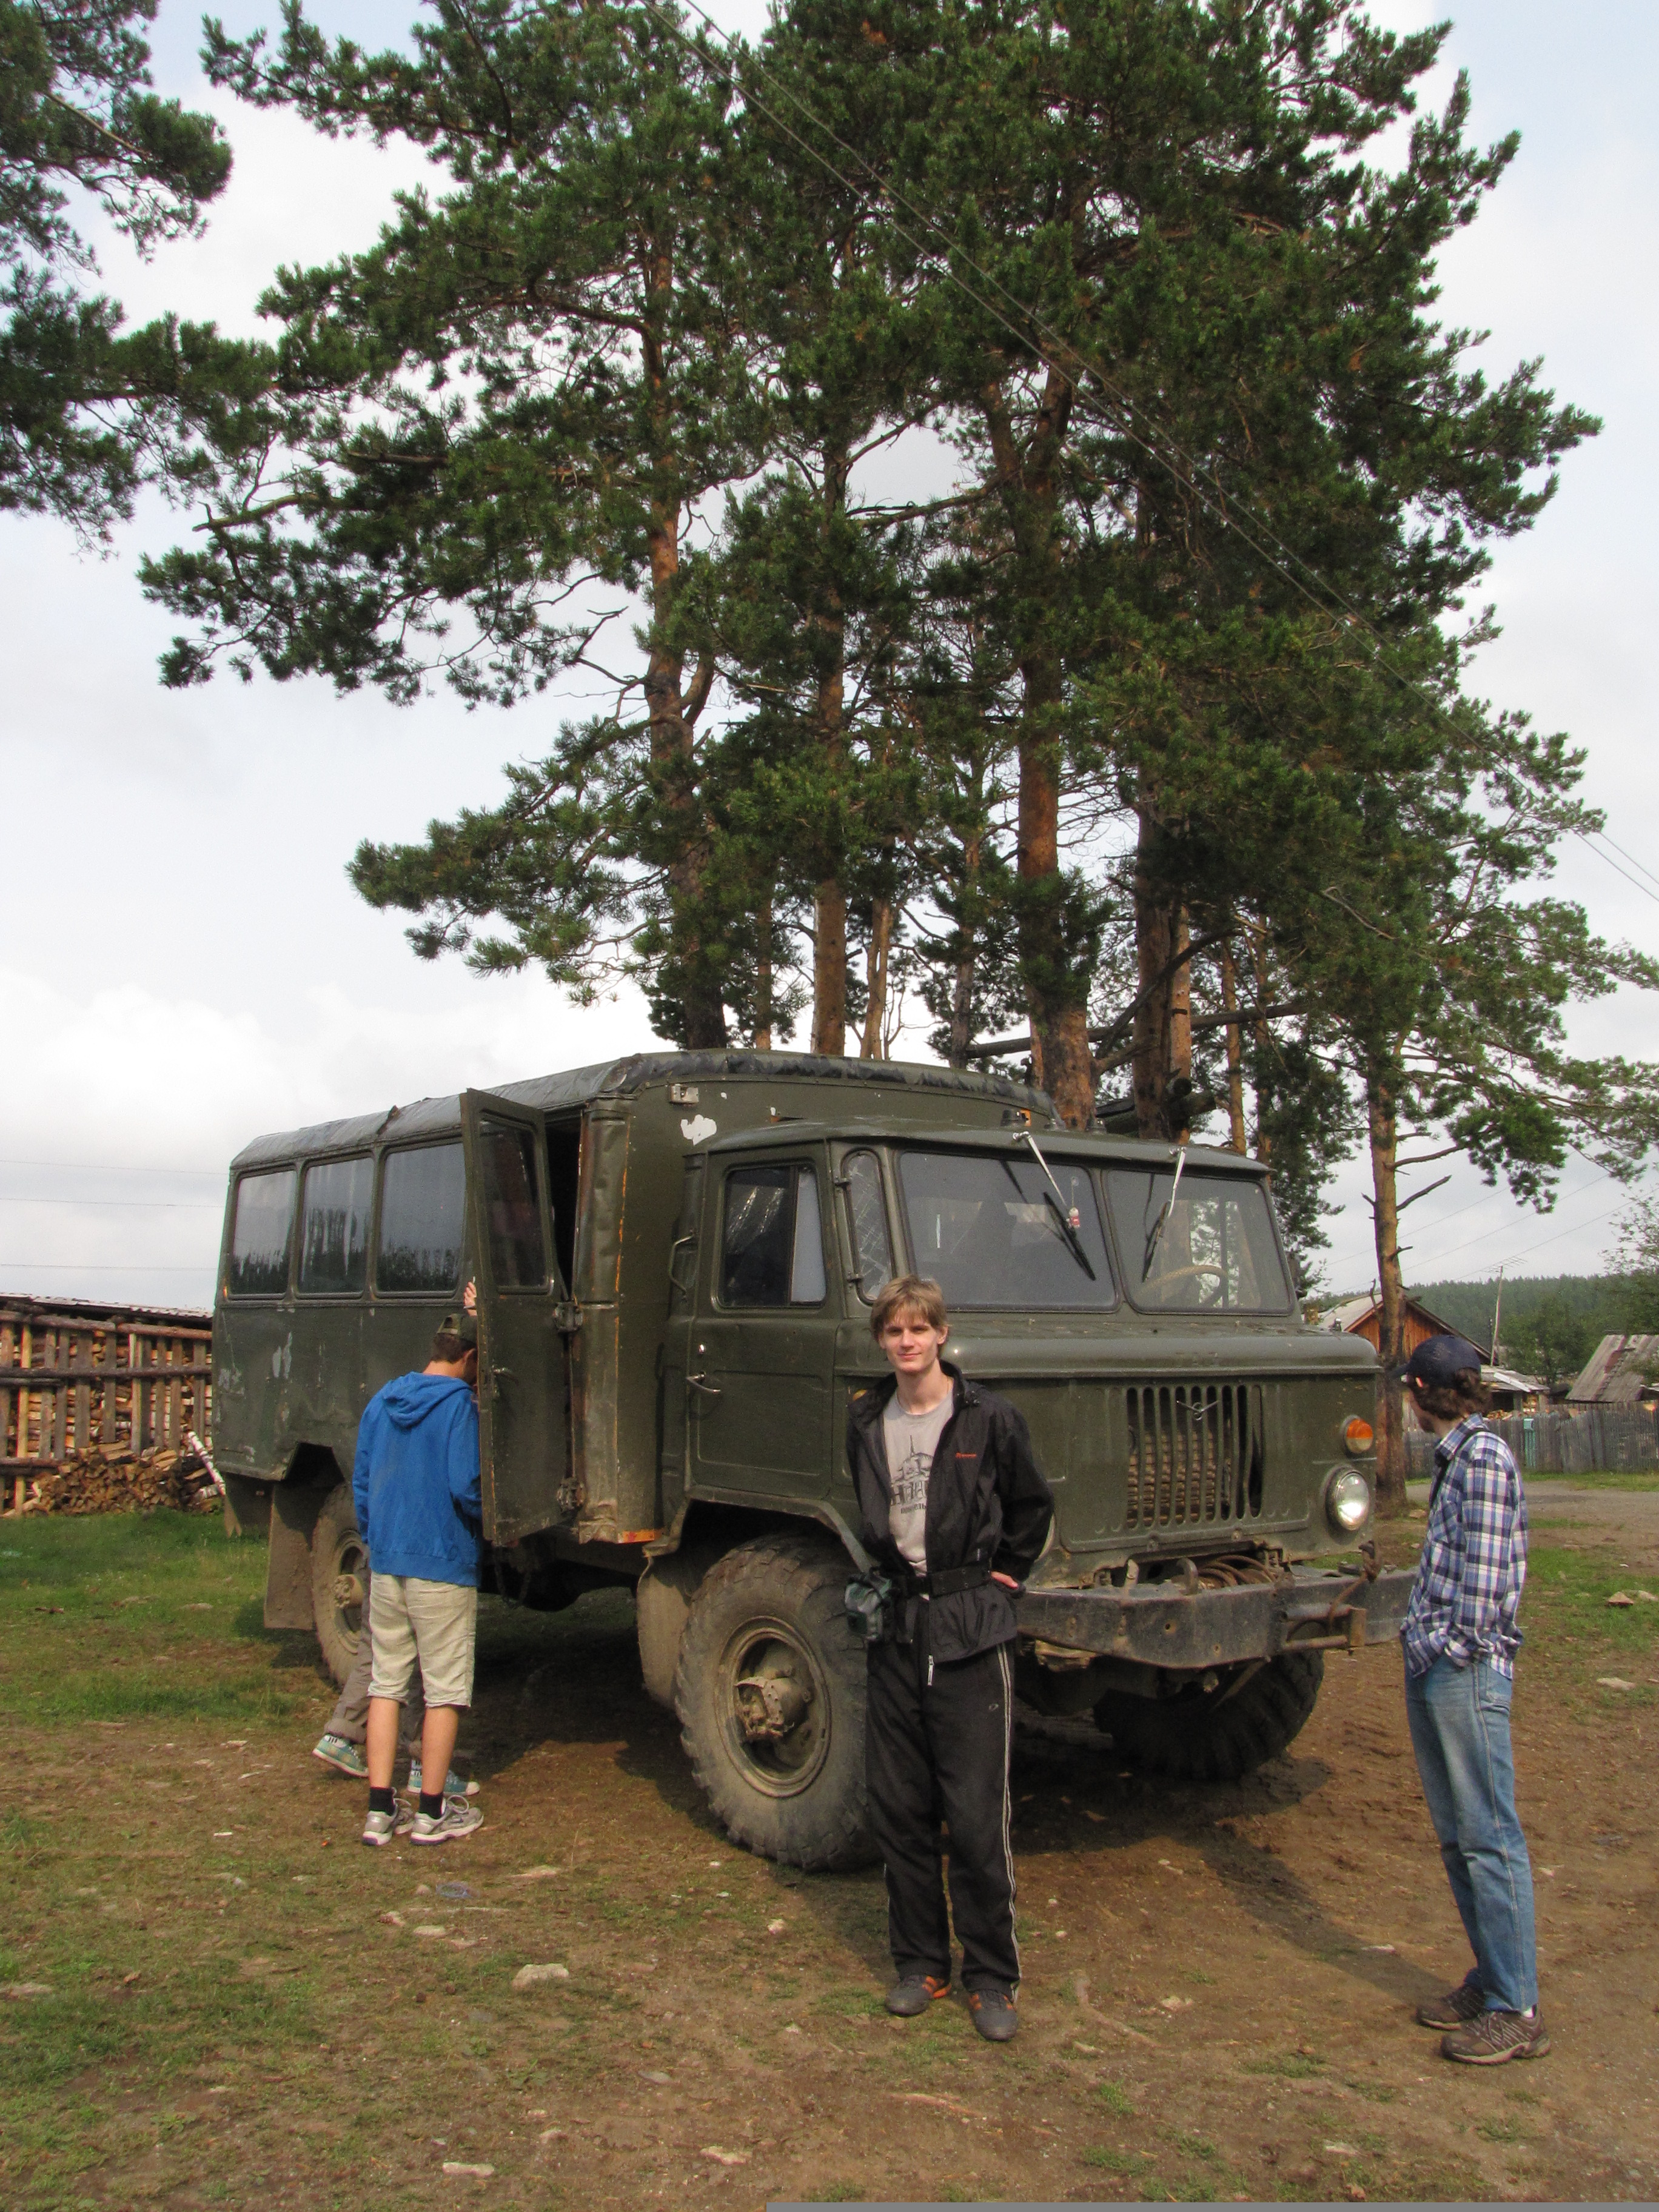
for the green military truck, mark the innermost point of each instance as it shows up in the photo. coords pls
(675, 1258)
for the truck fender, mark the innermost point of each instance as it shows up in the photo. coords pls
(295, 1502)
(671, 1578)
(662, 1600)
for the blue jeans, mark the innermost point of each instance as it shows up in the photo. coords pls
(1460, 1723)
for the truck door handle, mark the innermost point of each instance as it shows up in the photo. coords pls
(702, 1382)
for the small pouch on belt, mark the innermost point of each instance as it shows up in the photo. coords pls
(870, 1610)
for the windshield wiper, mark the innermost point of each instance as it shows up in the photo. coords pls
(1159, 1225)
(1068, 1217)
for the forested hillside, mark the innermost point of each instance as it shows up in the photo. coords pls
(1551, 1323)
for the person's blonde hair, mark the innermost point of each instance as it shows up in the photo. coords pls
(920, 1294)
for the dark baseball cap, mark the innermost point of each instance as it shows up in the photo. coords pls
(462, 1325)
(1441, 1359)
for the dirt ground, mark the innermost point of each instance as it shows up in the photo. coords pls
(1219, 1982)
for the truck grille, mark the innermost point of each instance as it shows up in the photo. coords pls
(1195, 1454)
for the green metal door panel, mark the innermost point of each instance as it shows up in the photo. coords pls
(760, 1387)
(761, 1357)
(522, 1384)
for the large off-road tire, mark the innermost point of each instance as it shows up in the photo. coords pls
(339, 1576)
(770, 1612)
(1207, 1737)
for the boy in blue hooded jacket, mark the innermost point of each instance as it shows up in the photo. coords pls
(415, 1487)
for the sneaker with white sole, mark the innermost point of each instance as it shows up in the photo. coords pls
(380, 1827)
(343, 1755)
(453, 1785)
(458, 1819)
(1456, 2010)
(1496, 2038)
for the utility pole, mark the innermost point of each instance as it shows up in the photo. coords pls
(1497, 1317)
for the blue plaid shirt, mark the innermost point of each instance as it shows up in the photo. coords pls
(1474, 1555)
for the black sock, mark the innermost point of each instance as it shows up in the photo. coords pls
(432, 1804)
(383, 1800)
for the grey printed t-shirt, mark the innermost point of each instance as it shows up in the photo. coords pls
(911, 1440)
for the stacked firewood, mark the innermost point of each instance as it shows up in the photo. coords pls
(111, 1479)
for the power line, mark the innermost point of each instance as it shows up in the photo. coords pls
(113, 1167)
(104, 1204)
(109, 1268)
(1224, 505)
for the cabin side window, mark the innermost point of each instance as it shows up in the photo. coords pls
(334, 1226)
(260, 1235)
(772, 1241)
(423, 1210)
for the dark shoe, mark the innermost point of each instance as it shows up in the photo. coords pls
(1496, 2038)
(993, 2014)
(914, 1994)
(1456, 2010)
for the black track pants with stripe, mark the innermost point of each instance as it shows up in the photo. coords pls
(937, 1752)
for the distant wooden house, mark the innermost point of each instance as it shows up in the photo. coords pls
(1364, 1317)
(1510, 1392)
(1618, 1374)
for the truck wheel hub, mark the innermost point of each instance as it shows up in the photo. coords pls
(769, 1706)
(776, 1707)
(348, 1591)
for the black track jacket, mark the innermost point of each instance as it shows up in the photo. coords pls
(988, 1503)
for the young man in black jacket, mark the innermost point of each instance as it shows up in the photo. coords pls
(955, 1511)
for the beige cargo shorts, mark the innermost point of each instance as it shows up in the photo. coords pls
(433, 1626)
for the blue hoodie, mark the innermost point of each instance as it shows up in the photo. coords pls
(415, 1480)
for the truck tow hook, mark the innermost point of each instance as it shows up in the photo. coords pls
(770, 1707)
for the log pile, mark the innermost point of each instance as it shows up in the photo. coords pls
(114, 1479)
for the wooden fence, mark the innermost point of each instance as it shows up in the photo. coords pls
(1599, 1439)
(75, 1376)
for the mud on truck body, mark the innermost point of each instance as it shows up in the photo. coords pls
(676, 1256)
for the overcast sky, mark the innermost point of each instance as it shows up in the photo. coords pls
(184, 964)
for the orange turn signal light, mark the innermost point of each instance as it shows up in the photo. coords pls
(1358, 1436)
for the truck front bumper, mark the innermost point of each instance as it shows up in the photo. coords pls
(1164, 1626)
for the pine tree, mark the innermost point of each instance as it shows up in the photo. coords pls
(87, 415)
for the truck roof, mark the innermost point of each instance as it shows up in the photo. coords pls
(861, 1080)
(1057, 1144)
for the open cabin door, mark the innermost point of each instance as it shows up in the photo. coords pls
(523, 1384)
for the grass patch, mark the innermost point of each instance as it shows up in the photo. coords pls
(1288, 2066)
(1608, 1479)
(1500, 2131)
(1109, 2160)
(1195, 2147)
(1566, 1606)
(1115, 2097)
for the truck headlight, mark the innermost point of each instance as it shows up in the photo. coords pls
(1347, 1500)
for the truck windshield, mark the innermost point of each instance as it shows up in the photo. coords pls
(1216, 1253)
(991, 1232)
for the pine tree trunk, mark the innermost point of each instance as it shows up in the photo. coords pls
(1056, 994)
(1264, 1143)
(673, 758)
(1391, 1350)
(829, 969)
(1161, 1040)
(830, 897)
(762, 1037)
(873, 1046)
(962, 985)
(1235, 1054)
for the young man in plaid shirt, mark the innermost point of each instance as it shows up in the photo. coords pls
(1460, 1640)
